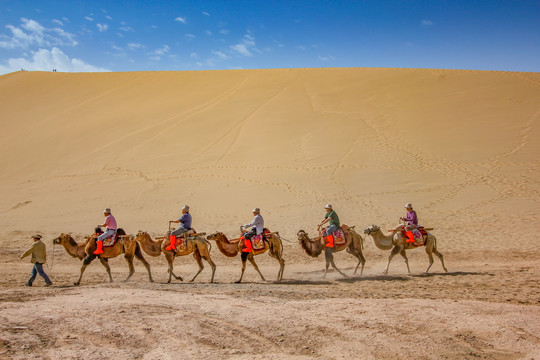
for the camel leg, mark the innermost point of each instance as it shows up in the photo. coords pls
(276, 256)
(105, 263)
(395, 250)
(440, 256)
(330, 259)
(141, 258)
(170, 260)
(404, 256)
(244, 257)
(197, 256)
(361, 260)
(212, 265)
(87, 260)
(429, 252)
(252, 261)
(129, 259)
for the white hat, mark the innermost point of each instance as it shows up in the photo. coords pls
(186, 208)
(408, 206)
(328, 206)
(257, 210)
(107, 211)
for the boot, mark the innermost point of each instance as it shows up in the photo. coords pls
(99, 248)
(172, 246)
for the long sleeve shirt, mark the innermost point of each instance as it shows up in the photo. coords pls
(185, 220)
(258, 223)
(412, 218)
(38, 250)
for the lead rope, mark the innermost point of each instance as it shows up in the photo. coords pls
(52, 262)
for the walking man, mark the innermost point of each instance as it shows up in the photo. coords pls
(38, 250)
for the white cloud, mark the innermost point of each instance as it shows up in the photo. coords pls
(302, 47)
(190, 36)
(158, 53)
(205, 13)
(89, 18)
(108, 17)
(181, 19)
(427, 22)
(224, 31)
(246, 46)
(194, 55)
(326, 58)
(220, 55)
(135, 46)
(102, 27)
(126, 29)
(32, 33)
(58, 22)
(45, 60)
(208, 32)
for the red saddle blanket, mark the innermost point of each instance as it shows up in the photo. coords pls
(416, 236)
(338, 237)
(111, 241)
(256, 243)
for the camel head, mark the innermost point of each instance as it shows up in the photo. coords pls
(371, 229)
(214, 236)
(63, 238)
(302, 235)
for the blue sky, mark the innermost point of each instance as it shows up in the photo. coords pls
(213, 35)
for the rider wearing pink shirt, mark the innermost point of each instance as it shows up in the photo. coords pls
(111, 226)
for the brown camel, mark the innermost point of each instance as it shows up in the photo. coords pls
(196, 245)
(85, 252)
(314, 247)
(231, 248)
(398, 243)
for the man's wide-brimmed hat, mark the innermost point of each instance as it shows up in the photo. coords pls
(107, 211)
(185, 208)
(408, 206)
(257, 210)
(36, 236)
(328, 206)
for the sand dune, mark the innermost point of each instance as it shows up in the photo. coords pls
(457, 144)
(460, 145)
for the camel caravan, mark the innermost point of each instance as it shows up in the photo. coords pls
(254, 239)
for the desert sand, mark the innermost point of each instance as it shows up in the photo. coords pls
(459, 145)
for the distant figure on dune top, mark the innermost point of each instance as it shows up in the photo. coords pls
(185, 225)
(111, 227)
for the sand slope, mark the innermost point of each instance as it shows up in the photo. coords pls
(457, 144)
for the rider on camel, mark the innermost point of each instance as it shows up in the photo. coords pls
(110, 225)
(411, 218)
(185, 226)
(333, 218)
(257, 226)
(411, 223)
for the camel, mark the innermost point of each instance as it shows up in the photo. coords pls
(314, 247)
(198, 246)
(398, 243)
(231, 248)
(85, 252)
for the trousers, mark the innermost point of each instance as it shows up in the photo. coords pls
(38, 269)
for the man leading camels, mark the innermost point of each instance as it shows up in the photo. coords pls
(185, 225)
(111, 226)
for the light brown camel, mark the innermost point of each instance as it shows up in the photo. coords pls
(85, 252)
(398, 243)
(231, 248)
(314, 247)
(196, 245)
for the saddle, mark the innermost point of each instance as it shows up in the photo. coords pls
(190, 234)
(337, 238)
(416, 237)
(111, 241)
(257, 241)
